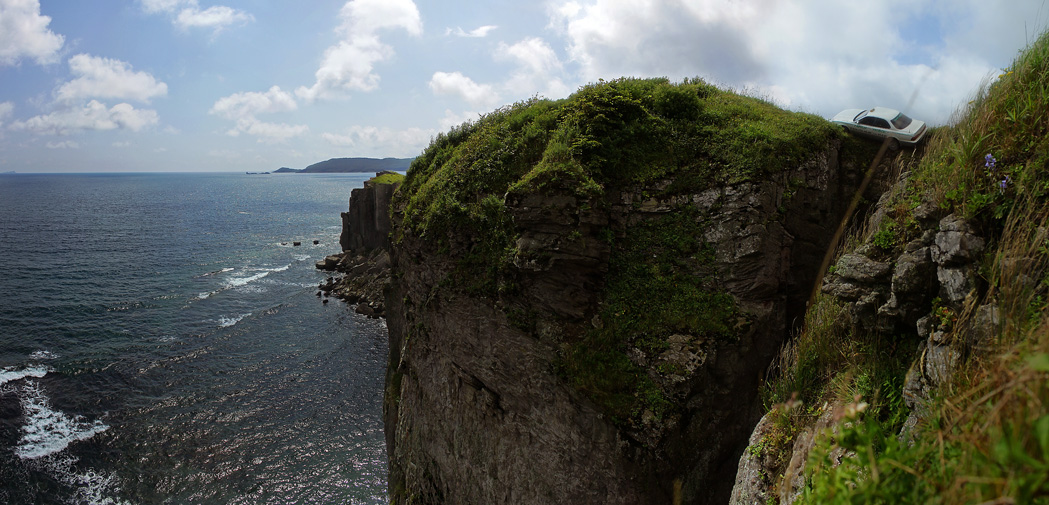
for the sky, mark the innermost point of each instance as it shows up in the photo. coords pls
(235, 85)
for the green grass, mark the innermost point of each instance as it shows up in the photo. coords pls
(387, 178)
(617, 134)
(985, 438)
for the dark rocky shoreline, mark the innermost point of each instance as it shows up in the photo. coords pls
(365, 259)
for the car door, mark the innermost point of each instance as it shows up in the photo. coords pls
(875, 126)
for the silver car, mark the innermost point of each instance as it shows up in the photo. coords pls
(882, 123)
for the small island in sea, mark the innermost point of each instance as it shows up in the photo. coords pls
(350, 165)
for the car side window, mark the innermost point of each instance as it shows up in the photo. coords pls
(874, 121)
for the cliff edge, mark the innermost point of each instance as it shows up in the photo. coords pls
(587, 292)
(364, 263)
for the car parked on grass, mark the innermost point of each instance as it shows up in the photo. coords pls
(882, 123)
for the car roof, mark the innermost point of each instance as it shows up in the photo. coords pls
(882, 112)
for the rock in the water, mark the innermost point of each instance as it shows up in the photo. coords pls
(329, 262)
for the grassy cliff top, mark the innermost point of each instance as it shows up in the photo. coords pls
(621, 133)
(628, 134)
(387, 178)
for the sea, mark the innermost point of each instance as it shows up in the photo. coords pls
(162, 341)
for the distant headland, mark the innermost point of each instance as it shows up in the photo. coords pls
(346, 165)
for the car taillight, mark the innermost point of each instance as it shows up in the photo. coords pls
(919, 134)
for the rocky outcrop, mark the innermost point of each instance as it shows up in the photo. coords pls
(365, 278)
(918, 288)
(365, 260)
(366, 226)
(477, 409)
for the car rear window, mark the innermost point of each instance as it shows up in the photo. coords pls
(901, 121)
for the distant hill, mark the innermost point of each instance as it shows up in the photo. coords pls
(346, 165)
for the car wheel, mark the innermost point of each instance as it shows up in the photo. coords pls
(894, 145)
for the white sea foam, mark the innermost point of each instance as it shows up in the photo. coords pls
(91, 487)
(48, 431)
(216, 272)
(226, 322)
(43, 355)
(236, 282)
(11, 374)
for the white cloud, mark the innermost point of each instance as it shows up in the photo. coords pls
(105, 78)
(92, 116)
(6, 109)
(479, 32)
(452, 119)
(269, 133)
(217, 17)
(187, 14)
(24, 33)
(538, 69)
(243, 107)
(64, 144)
(349, 65)
(791, 50)
(369, 16)
(457, 84)
(613, 38)
(381, 141)
(159, 6)
(250, 103)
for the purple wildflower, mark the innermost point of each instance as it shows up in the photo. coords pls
(989, 162)
(1003, 184)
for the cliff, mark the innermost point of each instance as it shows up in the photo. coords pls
(594, 301)
(367, 225)
(365, 259)
(586, 293)
(922, 373)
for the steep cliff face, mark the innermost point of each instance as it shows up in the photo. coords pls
(561, 333)
(365, 239)
(366, 226)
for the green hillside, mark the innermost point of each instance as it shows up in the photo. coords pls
(985, 437)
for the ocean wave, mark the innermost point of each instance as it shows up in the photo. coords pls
(91, 487)
(43, 355)
(216, 272)
(236, 282)
(10, 374)
(47, 431)
(225, 322)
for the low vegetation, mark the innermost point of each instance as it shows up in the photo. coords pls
(985, 438)
(608, 137)
(387, 178)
